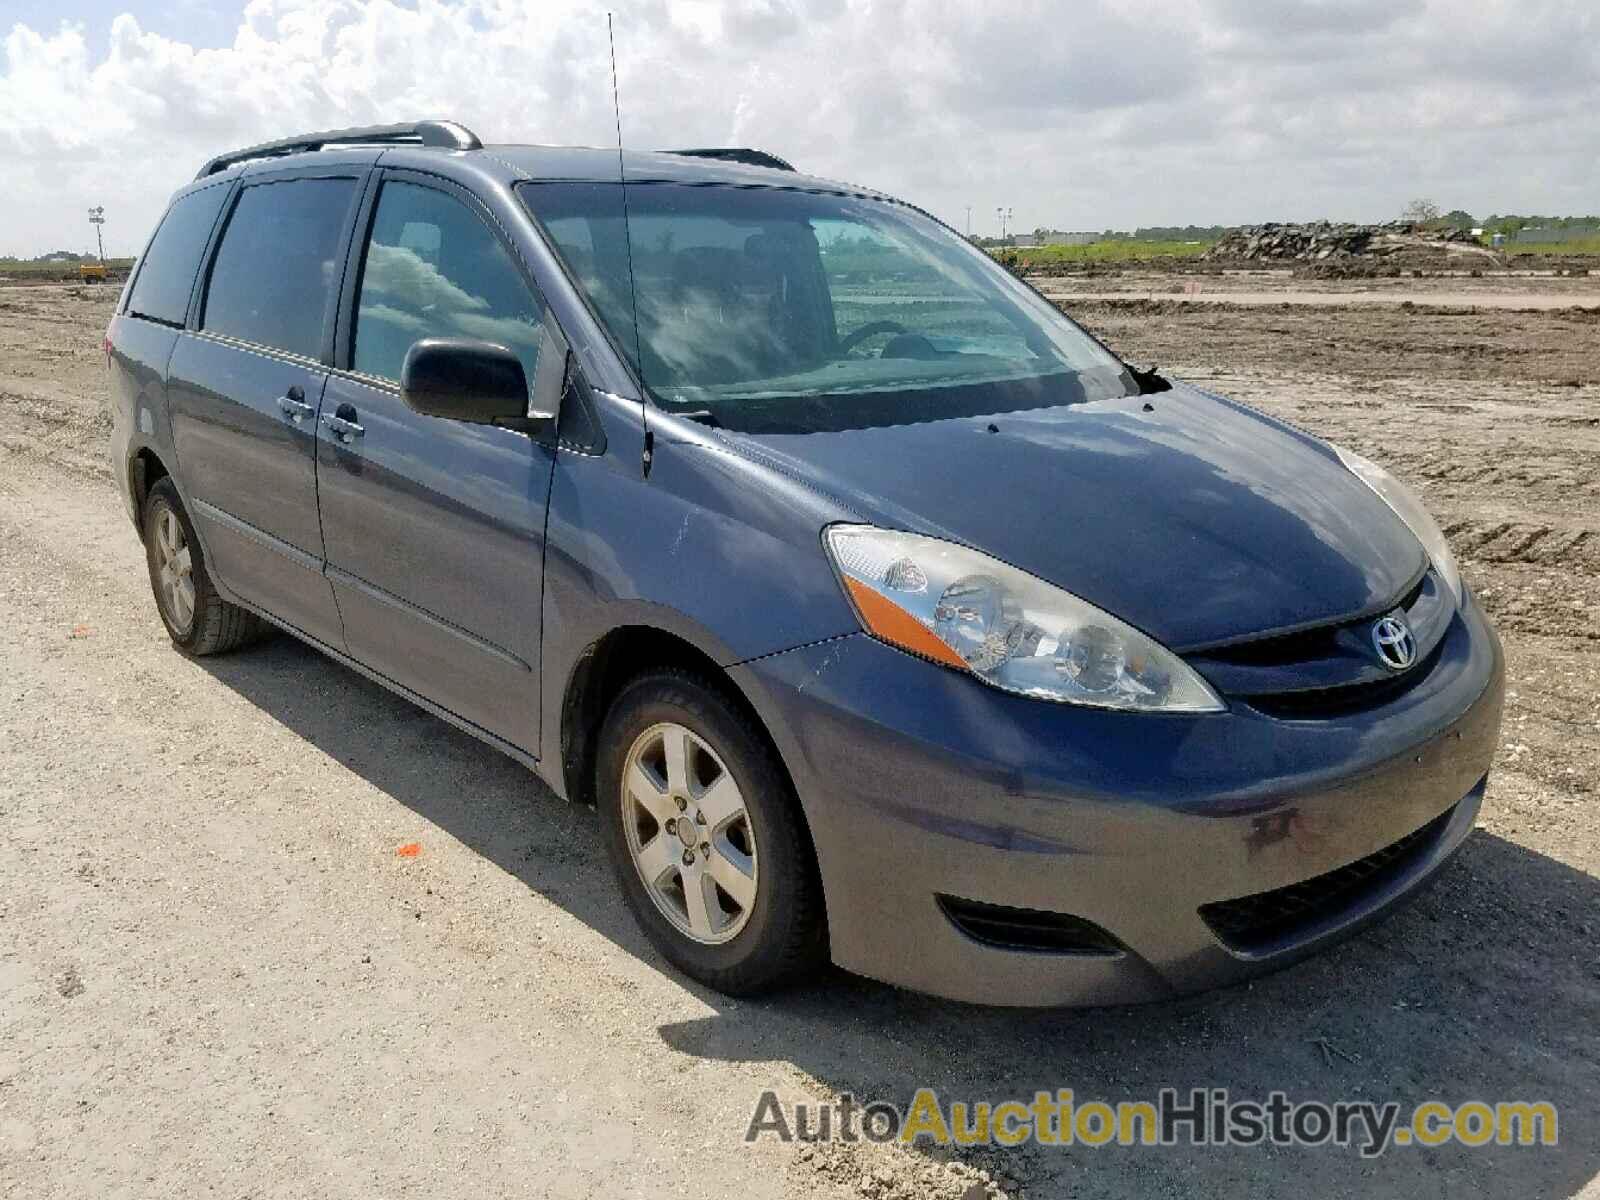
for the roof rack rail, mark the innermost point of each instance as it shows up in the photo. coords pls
(738, 154)
(446, 134)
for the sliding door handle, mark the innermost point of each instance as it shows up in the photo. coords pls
(294, 407)
(343, 429)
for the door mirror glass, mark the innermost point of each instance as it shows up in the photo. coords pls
(460, 379)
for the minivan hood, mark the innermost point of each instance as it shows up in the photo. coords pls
(1196, 519)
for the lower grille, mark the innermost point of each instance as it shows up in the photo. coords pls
(1265, 919)
(1027, 928)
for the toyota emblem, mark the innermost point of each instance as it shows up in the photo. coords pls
(1391, 638)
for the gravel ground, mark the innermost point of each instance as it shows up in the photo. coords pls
(218, 977)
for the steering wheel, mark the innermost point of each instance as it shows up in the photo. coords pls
(856, 336)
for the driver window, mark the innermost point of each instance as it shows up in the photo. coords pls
(888, 297)
(433, 269)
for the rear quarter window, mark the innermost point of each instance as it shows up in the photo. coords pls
(166, 277)
(275, 280)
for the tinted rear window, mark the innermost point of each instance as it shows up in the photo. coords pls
(161, 291)
(275, 281)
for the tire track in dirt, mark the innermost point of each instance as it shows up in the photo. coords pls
(1518, 542)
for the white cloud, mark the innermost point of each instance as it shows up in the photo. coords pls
(1101, 113)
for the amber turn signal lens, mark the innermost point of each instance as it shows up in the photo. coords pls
(887, 620)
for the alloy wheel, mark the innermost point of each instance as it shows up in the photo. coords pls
(689, 833)
(174, 570)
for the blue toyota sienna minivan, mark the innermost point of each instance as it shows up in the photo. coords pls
(884, 615)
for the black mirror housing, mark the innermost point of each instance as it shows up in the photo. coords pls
(460, 379)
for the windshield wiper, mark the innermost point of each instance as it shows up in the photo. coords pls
(704, 415)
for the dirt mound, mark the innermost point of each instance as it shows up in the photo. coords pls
(1396, 244)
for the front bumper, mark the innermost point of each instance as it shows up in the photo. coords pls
(919, 782)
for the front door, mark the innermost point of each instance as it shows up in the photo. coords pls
(434, 528)
(244, 391)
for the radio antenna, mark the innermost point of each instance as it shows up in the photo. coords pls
(616, 97)
(627, 238)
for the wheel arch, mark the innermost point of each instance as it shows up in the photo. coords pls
(606, 666)
(145, 469)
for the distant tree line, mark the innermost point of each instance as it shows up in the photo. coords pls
(1150, 233)
(1426, 212)
(1175, 233)
(1511, 223)
(1161, 233)
(63, 256)
(1419, 212)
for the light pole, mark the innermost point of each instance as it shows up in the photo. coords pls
(97, 218)
(969, 222)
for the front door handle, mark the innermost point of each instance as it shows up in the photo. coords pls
(294, 406)
(342, 424)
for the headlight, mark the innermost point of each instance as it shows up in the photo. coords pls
(1408, 506)
(1013, 631)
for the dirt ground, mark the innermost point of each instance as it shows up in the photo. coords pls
(217, 977)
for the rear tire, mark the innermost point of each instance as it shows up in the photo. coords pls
(706, 838)
(198, 620)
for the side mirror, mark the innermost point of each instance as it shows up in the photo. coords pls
(464, 380)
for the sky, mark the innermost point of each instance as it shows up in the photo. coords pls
(1092, 114)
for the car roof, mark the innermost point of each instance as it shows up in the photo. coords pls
(425, 144)
(597, 164)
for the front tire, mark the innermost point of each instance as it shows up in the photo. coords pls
(198, 620)
(706, 838)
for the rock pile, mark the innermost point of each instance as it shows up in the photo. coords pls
(1324, 241)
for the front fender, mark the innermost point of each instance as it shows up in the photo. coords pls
(716, 550)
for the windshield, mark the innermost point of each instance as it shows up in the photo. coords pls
(774, 310)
